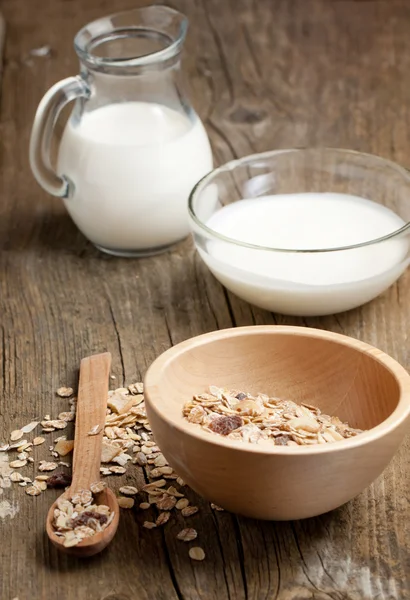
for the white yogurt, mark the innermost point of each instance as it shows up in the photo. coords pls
(133, 166)
(306, 283)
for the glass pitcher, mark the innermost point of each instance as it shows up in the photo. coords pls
(133, 147)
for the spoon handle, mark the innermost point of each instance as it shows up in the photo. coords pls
(91, 412)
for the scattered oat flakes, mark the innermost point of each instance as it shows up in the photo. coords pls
(182, 503)
(149, 444)
(187, 535)
(30, 427)
(41, 485)
(15, 435)
(126, 431)
(166, 470)
(53, 424)
(38, 441)
(160, 461)
(196, 553)
(118, 470)
(189, 510)
(153, 496)
(216, 507)
(17, 464)
(47, 466)
(141, 459)
(121, 459)
(125, 502)
(65, 392)
(64, 447)
(155, 473)
(118, 401)
(33, 491)
(162, 518)
(148, 487)
(109, 451)
(66, 416)
(24, 447)
(128, 490)
(17, 444)
(166, 502)
(136, 388)
(174, 492)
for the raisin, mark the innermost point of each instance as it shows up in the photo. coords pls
(282, 440)
(224, 425)
(59, 480)
(240, 396)
(85, 517)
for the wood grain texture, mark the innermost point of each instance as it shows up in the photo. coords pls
(91, 413)
(2, 40)
(263, 74)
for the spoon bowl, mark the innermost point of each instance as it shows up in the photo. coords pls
(96, 543)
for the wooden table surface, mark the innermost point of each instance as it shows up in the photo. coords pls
(264, 74)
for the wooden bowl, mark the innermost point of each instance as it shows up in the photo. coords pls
(340, 375)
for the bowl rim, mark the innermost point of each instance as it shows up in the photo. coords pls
(395, 419)
(231, 166)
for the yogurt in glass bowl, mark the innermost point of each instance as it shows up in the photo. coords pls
(304, 232)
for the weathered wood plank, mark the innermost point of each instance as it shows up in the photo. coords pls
(2, 40)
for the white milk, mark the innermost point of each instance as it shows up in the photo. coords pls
(306, 283)
(133, 166)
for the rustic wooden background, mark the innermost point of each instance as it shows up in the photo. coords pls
(264, 74)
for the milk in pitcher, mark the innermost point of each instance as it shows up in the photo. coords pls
(132, 166)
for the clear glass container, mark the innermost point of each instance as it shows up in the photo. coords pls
(133, 147)
(304, 232)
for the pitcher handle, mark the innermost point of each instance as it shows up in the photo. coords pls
(47, 113)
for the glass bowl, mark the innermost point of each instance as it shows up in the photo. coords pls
(304, 232)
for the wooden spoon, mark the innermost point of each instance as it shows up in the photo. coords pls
(91, 411)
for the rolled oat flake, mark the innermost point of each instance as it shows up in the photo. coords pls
(196, 553)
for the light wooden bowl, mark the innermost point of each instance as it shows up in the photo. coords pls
(340, 375)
